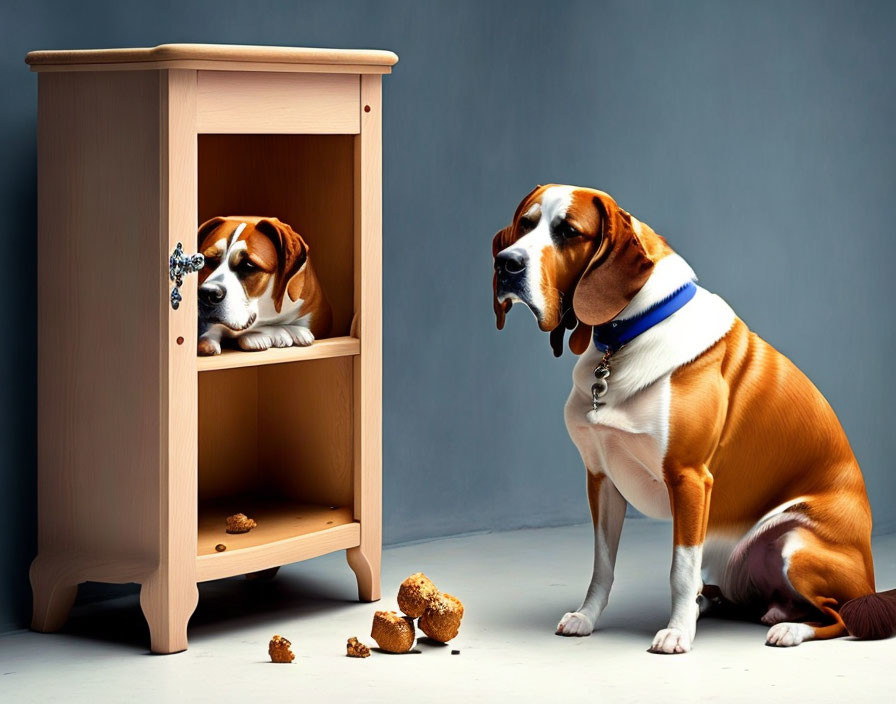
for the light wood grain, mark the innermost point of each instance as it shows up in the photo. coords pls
(283, 429)
(100, 413)
(276, 520)
(168, 598)
(162, 56)
(306, 181)
(272, 103)
(305, 429)
(320, 349)
(367, 376)
(228, 433)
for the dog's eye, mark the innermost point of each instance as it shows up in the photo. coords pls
(525, 225)
(246, 265)
(566, 231)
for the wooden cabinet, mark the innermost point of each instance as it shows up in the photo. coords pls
(144, 448)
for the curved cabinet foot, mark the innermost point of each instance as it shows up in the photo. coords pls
(54, 593)
(366, 567)
(167, 607)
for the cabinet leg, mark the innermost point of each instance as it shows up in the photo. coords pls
(54, 593)
(167, 607)
(366, 566)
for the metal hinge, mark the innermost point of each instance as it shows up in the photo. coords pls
(179, 265)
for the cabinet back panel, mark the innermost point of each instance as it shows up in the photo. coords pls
(306, 181)
(228, 433)
(305, 429)
(283, 430)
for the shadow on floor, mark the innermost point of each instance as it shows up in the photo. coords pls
(224, 605)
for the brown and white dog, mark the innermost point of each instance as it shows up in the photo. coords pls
(701, 422)
(257, 286)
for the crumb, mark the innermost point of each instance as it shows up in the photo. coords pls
(240, 523)
(415, 593)
(279, 650)
(393, 633)
(441, 620)
(356, 649)
(220, 547)
(455, 652)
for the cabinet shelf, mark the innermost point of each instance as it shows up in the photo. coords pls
(286, 532)
(320, 349)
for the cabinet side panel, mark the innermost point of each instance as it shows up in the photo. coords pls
(368, 302)
(99, 289)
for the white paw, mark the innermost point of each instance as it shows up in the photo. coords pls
(255, 341)
(575, 623)
(280, 337)
(786, 635)
(671, 640)
(300, 336)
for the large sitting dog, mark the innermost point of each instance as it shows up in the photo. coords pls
(679, 409)
(257, 286)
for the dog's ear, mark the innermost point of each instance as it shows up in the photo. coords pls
(500, 241)
(292, 253)
(616, 272)
(580, 338)
(206, 228)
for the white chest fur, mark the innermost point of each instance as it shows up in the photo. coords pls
(628, 444)
(629, 440)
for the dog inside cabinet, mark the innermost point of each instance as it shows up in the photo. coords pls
(258, 288)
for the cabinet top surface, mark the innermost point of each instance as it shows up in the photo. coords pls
(222, 56)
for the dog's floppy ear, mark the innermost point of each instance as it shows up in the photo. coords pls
(206, 228)
(616, 272)
(292, 253)
(500, 242)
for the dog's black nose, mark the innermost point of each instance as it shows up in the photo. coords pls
(512, 261)
(211, 294)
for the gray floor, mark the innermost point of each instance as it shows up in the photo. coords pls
(515, 586)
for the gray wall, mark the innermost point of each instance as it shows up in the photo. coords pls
(758, 137)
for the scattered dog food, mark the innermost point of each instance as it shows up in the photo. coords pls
(279, 650)
(393, 633)
(415, 593)
(441, 620)
(455, 652)
(220, 547)
(240, 523)
(356, 649)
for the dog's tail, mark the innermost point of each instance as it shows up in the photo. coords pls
(871, 617)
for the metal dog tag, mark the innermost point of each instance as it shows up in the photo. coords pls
(600, 386)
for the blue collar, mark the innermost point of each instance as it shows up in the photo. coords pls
(613, 335)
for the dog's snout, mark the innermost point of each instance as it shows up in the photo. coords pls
(512, 261)
(211, 294)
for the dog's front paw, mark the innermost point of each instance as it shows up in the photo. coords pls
(280, 337)
(671, 641)
(301, 336)
(575, 623)
(208, 347)
(255, 341)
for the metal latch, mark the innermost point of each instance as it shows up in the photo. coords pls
(179, 265)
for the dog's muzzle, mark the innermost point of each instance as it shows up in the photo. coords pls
(510, 266)
(211, 294)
